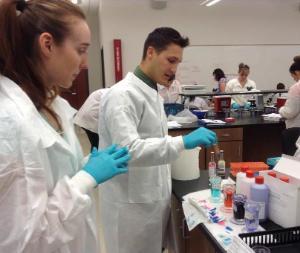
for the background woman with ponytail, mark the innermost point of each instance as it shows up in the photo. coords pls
(291, 110)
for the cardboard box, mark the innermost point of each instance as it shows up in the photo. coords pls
(284, 201)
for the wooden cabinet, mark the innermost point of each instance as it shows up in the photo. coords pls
(185, 241)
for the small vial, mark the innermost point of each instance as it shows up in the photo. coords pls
(212, 165)
(221, 164)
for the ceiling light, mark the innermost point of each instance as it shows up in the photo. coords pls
(212, 3)
(204, 2)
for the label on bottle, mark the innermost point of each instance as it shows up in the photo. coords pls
(262, 212)
(211, 169)
(221, 167)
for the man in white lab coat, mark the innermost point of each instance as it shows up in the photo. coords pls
(136, 207)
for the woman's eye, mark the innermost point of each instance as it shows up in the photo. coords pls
(82, 51)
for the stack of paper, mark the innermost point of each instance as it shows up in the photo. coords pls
(272, 117)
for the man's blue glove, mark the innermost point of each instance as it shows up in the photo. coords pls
(200, 136)
(247, 105)
(235, 105)
(105, 164)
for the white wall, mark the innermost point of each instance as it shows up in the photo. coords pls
(229, 22)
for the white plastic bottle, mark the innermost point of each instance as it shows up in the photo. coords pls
(239, 176)
(259, 192)
(212, 165)
(246, 183)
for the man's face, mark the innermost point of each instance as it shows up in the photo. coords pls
(163, 65)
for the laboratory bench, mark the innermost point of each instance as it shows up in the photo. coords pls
(248, 138)
(199, 239)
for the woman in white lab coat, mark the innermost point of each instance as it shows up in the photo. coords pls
(240, 84)
(45, 204)
(136, 206)
(291, 110)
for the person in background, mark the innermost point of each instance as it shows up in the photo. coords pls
(291, 110)
(170, 94)
(280, 86)
(220, 77)
(195, 102)
(240, 84)
(45, 202)
(87, 116)
(273, 97)
(135, 207)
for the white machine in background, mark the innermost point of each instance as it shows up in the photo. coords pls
(193, 89)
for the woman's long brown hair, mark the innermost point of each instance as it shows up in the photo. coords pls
(21, 23)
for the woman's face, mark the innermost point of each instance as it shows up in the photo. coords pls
(66, 60)
(243, 75)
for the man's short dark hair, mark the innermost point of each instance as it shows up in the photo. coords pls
(162, 37)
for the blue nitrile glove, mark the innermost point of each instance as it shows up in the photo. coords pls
(105, 164)
(247, 105)
(235, 105)
(272, 161)
(200, 136)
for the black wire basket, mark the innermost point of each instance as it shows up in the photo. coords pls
(286, 240)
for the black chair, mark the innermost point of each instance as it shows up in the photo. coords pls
(288, 139)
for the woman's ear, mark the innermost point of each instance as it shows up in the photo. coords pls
(46, 43)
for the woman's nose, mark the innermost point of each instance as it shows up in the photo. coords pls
(84, 63)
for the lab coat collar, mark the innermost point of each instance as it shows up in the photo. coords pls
(43, 130)
(149, 92)
(138, 72)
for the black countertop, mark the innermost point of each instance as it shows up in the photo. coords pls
(242, 119)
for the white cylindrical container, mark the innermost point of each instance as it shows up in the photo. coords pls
(246, 183)
(239, 176)
(186, 167)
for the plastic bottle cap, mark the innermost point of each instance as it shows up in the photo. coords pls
(272, 173)
(284, 179)
(244, 168)
(259, 180)
(249, 173)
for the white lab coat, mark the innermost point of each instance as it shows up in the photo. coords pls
(41, 211)
(136, 206)
(88, 114)
(297, 153)
(234, 85)
(291, 109)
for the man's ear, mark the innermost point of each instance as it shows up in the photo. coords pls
(150, 52)
(46, 43)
